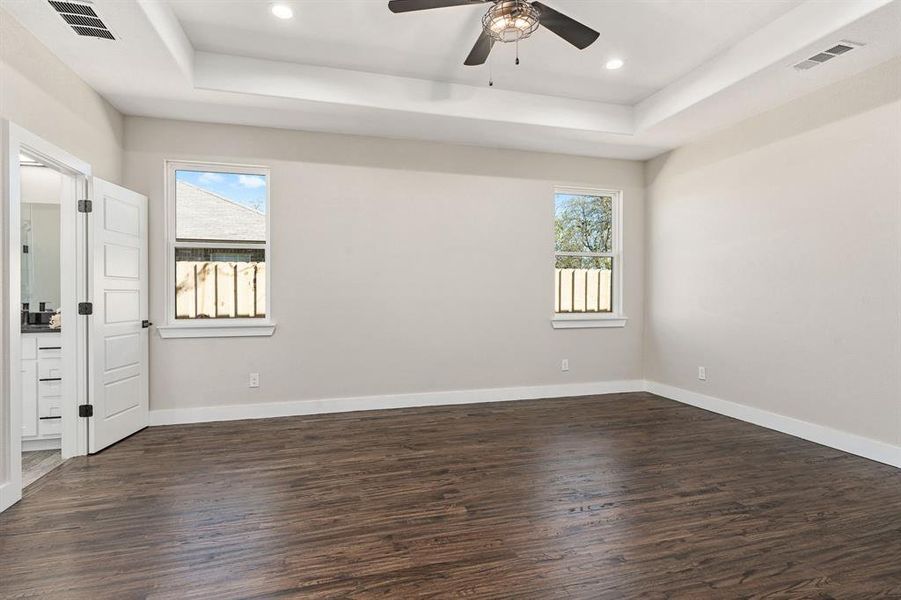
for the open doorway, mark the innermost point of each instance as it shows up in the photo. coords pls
(43, 190)
(75, 331)
(45, 353)
(47, 261)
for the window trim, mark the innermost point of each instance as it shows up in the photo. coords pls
(206, 328)
(616, 317)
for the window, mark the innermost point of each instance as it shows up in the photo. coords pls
(218, 245)
(588, 260)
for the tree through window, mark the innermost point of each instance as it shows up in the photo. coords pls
(585, 252)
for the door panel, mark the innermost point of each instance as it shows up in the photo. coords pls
(118, 341)
(122, 261)
(122, 351)
(122, 306)
(122, 394)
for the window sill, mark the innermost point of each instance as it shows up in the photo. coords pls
(216, 330)
(584, 321)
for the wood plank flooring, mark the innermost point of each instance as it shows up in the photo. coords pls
(618, 496)
(37, 463)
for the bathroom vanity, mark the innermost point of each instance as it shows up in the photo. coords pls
(41, 389)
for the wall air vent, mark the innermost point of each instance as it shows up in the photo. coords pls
(819, 58)
(840, 49)
(82, 19)
(93, 32)
(806, 64)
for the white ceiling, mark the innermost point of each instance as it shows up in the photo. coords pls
(660, 40)
(352, 66)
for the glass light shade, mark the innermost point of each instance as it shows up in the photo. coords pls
(511, 20)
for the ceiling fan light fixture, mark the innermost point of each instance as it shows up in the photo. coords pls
(282, 11)
(510, 20)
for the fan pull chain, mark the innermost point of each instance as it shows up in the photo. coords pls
(490, 75)
(517, 52)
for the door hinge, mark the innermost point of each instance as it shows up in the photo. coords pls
(85, 206)
(85, 308)
(85, 410)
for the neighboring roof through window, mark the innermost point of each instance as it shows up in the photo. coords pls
(204, 215)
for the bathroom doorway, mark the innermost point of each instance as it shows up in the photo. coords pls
(44, 344)
(75, 332)
(47, 263)
(42, 350)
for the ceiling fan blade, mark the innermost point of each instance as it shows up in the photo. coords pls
(580, 36)
(401, 6)
(480, 51)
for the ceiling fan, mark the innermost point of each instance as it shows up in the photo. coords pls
(508, 21)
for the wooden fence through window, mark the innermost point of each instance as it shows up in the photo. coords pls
(220, 290)
(583, 290)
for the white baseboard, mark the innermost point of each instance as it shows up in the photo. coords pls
(840, 440)
(266, 410)
(847, 442)
(41, 444)
(7, 496)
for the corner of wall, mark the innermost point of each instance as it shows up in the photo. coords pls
(43, 95)
(756, 182)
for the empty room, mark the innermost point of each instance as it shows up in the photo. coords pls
(558, 299)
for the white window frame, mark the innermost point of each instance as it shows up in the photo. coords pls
(616, 317)
(206, 328)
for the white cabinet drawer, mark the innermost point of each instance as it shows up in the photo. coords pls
(29, 347)
(50, 407)
(29, 397)
(50, 389)
(50, 368)
(49, 426)
(49, 347)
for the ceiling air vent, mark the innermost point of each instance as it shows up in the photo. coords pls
(82, 19)
(817, 59)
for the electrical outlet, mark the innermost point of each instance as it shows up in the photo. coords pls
(254, 380)
(702, 373)
(564, 364)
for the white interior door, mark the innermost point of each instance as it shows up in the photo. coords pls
(118, 333)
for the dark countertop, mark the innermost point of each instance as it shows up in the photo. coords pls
(39, 329)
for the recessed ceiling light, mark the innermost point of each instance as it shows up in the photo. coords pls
(614, 64)
(282, 11)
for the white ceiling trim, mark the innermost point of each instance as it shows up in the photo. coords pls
(794, 31)
(153, 69)
(166, 25)
(768, 47)
(239, 74)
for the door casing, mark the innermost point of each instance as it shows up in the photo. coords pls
(73, 287)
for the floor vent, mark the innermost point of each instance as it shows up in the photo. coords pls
(819, 58)
(82, 19)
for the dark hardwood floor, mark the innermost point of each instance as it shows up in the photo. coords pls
(620, 496)
(37, 463)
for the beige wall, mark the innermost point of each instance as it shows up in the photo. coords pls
(772, 249)
(773, 253)
(397, 267)
(41, 94)
(38, 92)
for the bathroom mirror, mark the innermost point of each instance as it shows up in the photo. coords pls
(41, 188)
